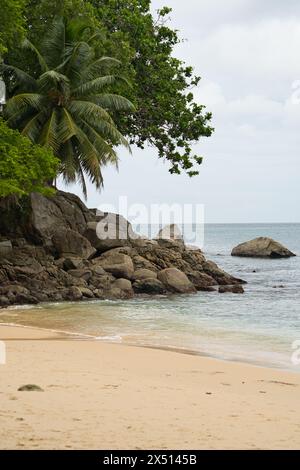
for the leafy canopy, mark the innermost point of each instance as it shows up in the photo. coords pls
(67, 106)
(24, 167)
(12, 23)
(166, 117)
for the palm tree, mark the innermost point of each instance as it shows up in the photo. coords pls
(68, 106)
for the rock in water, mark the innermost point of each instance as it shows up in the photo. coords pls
(262, 247)
(236, 289)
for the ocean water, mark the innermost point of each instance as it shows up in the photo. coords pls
(259, 327)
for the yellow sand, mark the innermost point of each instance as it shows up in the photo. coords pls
(99, 396)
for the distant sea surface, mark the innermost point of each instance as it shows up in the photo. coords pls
(259, 327)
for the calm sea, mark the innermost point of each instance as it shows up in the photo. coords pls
(259, 327)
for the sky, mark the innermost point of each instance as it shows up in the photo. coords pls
(247, 53)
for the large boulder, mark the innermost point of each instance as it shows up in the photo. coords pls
(37, 217)
(95, 234)
(141, 274)
(109, 230)
(118, 264)
(175, 281)
(69, 243)
(262, 247)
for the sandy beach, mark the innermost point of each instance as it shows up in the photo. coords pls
(110, 396)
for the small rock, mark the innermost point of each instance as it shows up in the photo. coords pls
(72, 263)
(86, 292)
(30, 388)
(236, 289)
(85, 274)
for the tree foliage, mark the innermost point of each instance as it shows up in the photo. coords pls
(166, 116)
(12, 23)
(24, 167)
(68, 105)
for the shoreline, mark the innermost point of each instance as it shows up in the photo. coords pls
(99, 395)
(72, 336)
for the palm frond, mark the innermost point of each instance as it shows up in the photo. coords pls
(82, 182)
(67, 127)
(30, 46)
(69, 166)
(95, 86)
(98, 66)
(53, 45)
(34, 125)
(24, 101)
(24, 80)
(111, 133)
(113, 102)
(78, 57)
(89, 157)
(88, 111)
(106, 152)
(48, 137)
(53, 79)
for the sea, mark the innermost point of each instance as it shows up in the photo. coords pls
(260, 327)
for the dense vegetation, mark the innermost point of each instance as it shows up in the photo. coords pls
(11, 24)
(165, 113)
(24, 167)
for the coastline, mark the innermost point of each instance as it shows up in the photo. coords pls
(135, 397)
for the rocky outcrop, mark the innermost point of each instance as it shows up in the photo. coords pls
(50, 251)
(262, 247)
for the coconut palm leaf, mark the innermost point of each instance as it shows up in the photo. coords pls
(113, 102)
(29, 45)
(25, 81)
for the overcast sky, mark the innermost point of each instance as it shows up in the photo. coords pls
(248, 55)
